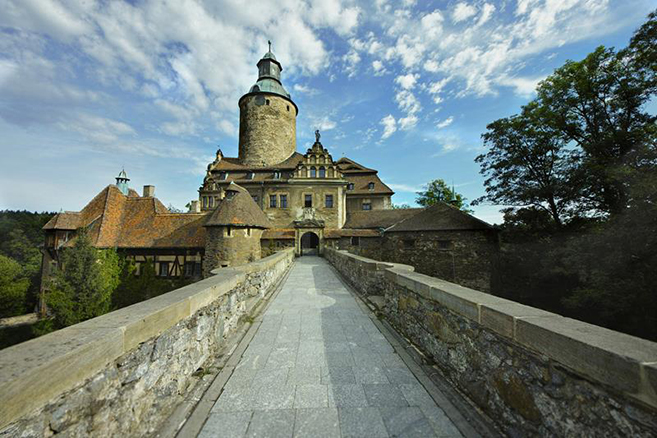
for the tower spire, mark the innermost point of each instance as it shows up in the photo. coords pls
(269, 42)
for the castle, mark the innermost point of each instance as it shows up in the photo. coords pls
(272, 197)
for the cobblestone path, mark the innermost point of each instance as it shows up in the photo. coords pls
(319, 367)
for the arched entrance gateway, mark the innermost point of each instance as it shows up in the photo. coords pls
(309, 243)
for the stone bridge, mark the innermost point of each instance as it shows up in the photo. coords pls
(335, 346)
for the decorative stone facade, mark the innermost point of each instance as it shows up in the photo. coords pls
(123, 373)
(533, 372)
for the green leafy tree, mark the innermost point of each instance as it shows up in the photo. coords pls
(528, 165)
(13, 288)
(83, 288)
(400, 206)
(136, 288)
(438, 191)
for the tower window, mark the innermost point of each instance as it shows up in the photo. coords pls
(313, 172)
(277, 174)
(283, 199)
(329, 201)
(288, 108)
(367, 205)
(248, 232)
(223, 175)
(250, 175)
(272, 201)
(370, 186)
(229, 232)
(308, 201)
(267, 102)
(355, 241)
(255, 198)
(322, 172)
(350, 186)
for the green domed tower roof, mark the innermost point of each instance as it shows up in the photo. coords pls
(269, 76)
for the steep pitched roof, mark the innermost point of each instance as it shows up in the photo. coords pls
(233, 163)
(440, 216)
(378, 218)
(67, 220)
(348, 165)
(238, 210)
(361, 184)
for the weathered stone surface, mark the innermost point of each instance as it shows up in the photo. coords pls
(534, 373)
(115, 375)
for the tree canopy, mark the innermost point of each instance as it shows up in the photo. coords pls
(438, 191)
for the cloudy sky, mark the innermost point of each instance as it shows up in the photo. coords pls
(407, 87)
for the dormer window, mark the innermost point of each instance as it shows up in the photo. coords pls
(277, 174)
(350, 186)
(250, 175)
(370, 186)
(322, 172)
(313, 172)
(223, 176)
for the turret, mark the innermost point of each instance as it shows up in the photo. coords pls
(268, 118)
(122, 182)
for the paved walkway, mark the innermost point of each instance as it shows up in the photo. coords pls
(319, 367)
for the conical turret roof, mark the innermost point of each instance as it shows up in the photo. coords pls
(238, 209)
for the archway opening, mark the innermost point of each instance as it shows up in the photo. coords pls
(309, 244)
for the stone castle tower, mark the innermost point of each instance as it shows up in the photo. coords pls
(268, 118)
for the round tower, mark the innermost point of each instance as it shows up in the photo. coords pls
(268, 118)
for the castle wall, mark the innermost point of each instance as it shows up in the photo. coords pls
(378, 202)
(267, 130)
(222, 249)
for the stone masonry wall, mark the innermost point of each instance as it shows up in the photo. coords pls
(123, 373)
(533, 372)
(241, 247)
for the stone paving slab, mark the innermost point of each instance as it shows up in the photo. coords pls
(319, 367)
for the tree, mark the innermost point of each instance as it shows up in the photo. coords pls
(82, 289)
(13, 288)
(437, 191)
(135, 288)
(400, 206)
(527, 165)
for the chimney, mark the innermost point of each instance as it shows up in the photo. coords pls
(195, 206)
(149, 191)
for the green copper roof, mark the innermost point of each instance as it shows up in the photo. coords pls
(269, 55)
(269, 85)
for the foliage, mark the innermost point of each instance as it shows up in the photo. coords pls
(173, 209)
(135, 288)
(578, 165)
(400, 206)
(437, 191)
(13, 288)
(82, 289)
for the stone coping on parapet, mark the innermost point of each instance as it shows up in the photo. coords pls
(38, 370)
(624, 363)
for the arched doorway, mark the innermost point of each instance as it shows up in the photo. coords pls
(309, 244)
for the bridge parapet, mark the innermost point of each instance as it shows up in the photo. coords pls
(533, 372)
(124, 372)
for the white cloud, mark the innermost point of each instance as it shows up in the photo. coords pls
(408, 122)
(486, 13)
(462, 12)
(389, 126)
(378, 68)
(304, 89)
(351, 61)
(407, 82)
(405, 188)
(525, 87)
(445, 123)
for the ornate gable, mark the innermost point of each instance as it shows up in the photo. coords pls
(317, 163)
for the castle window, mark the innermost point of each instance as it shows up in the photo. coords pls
(444, 244)
(277, 174)
(255, 198)
(272, 201)
(229, 232)
(189, 269)
(350, 186)
(329, 201)
(367, 205)
(313, 172)
(211, 201)
(267, 101)
(355, 241)
(308, 201)
(283, 199)
(164, 269)
(248, 232)
(250, 175)
(223, 175)
(205, 202)
(322, 172)
(288, 108)
(370, 186)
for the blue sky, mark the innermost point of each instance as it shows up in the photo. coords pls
(406, 87)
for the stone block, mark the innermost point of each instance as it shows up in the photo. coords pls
(500, 317)
(604, 355)
(461, 300)
(648, 392)
(35, 372)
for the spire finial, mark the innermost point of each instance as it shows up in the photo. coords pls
(269, 42)
(317, 135)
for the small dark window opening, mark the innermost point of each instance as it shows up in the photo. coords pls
(229, 232)
(329, 201)
(444, 244)
(288, 108)
(250, 175)
(350, 186)
(267, 101)
(164, 269)
(277, 174)
(308, 201)
(255, 198)
(313, 172)
(189, 269)
(409, 243)
(272, 201)
(248, 232)
(355, 241)
(370, 186)
(322, 172)
(367, 205)
(283, 201)
(223, 175)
